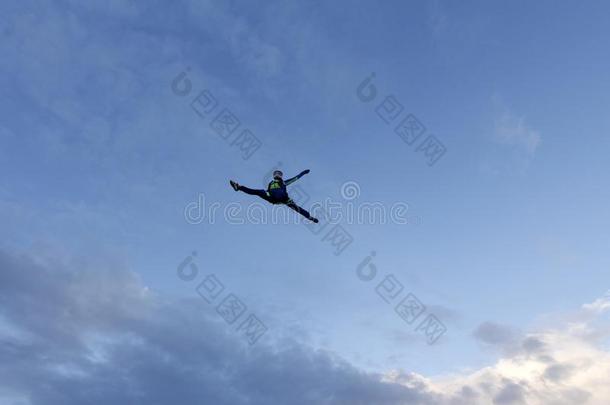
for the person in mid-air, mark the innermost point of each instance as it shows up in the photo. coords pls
(276, 192)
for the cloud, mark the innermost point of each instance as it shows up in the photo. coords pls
(560, 365)
(95, 335)
(437, 18)
(494, 334)
(510, 393)
(599, 306)
(86, 333)
(512, 130)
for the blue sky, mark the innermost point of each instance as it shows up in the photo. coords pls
(99, 158)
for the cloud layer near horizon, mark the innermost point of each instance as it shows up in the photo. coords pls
(71, 335)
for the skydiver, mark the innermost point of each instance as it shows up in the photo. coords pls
(276, 192)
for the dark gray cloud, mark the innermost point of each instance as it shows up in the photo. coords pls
(96, 336)
(74, 333)
(558, 372)
(511, 393)
(495, 334)
(533, 345)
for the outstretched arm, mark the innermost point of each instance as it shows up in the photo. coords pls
(295, 178)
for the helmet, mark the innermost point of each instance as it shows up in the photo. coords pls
(277, 174)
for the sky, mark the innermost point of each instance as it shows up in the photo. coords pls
(130, 272)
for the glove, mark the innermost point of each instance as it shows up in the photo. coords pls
(304, 172)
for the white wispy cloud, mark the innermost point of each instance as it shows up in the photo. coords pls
(558, 365)
(511, 129)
